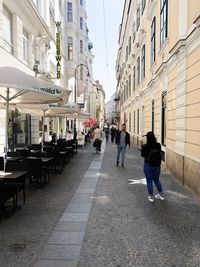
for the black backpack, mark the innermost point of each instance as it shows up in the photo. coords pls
(154, 157)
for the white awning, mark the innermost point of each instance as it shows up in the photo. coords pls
(39, 109)
(24, 88)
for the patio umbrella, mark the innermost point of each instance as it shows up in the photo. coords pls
(19, 87)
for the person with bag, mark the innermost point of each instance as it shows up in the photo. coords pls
(122, 140)
(151, 152)
(97, 138)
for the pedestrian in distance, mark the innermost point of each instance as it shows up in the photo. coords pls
(98, 136)
(106, 131)
(151, 152)
(112, 133)
(122, 140)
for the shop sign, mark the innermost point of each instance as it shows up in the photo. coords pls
(58, 49)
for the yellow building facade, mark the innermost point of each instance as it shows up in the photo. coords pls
(158, 73)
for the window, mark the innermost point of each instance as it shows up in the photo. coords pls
(138, 19)
(153, 40)
(126, 53)
(129, 6)
(7, 30)
(143, 62)
(52, 19)
(124, 92)
(69, 12)
(134, 121)
(81, 23)
(138, 121)
(138, 71)
(81, 46)
(81, 2)
(25, 45)
(129, 45)
(163, 21)
(70, 48)
(126, 89)
(134, 78)
(129, 120)
(81, 73)
(152, 115)
(129, 84)
(143, 5)
(163, 118)
(133, 32)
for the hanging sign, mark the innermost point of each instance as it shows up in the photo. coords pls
(58, 49)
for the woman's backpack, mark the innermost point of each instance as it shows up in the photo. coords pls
(154, 157)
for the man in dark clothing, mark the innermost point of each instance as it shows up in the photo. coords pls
(112, 133)
(122, 140)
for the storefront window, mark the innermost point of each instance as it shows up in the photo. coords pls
(20, 133)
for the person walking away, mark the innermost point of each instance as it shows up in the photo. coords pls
(106, 131)
(98, 136)
(122, 140)
(112, 132)
(151, 152)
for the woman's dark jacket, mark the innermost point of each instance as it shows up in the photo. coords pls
(118, 135)
(147, 148)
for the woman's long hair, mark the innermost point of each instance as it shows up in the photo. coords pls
(151, 139)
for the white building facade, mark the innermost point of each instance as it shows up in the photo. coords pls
(28, 42)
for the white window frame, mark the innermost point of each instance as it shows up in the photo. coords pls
(69, 12)
(25, 45)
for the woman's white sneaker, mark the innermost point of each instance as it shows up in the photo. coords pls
(151, 199)
(158, 196)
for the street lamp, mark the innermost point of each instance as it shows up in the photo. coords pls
(75, 87)
(75, 84)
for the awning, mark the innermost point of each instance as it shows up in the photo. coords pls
(24, 88)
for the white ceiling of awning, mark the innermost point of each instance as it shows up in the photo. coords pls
(24, 88)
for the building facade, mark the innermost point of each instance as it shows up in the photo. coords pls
(110, 111)
(158, 75)
(29, 42)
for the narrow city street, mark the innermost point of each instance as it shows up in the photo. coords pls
(94, 216)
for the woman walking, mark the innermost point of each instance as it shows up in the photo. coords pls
(151, 152)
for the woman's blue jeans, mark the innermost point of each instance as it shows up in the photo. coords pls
(152, 174)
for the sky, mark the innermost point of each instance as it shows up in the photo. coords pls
(102, 71)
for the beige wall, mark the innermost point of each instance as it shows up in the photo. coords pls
(175, 71)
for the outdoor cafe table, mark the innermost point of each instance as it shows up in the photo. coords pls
(14, 159)
(13, 176)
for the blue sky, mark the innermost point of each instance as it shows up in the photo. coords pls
(113, 12)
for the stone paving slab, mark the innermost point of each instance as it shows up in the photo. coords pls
(66, 238)
(71, 226)
(75, 217)
(78, 207)
(87, 185)
(61, 252)
(56, 263)
(91, 174)
(82, 198)
(85, 190)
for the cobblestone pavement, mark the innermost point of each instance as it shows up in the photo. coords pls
(24, 234)
(124, 229)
